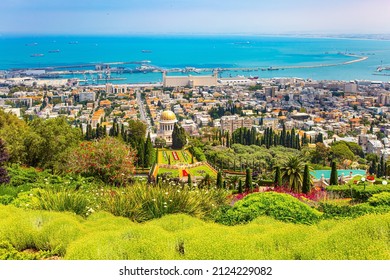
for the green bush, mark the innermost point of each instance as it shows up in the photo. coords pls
(332, 210)
(141, 202)
(380, 199)
(282, 207)
(197, 153)
(40, 234)
(266, 183)
(359, 193)
(65, 201)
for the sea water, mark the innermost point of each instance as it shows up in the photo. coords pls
(169, 52)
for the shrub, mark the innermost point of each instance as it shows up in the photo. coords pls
(332, 210)
(39, 234)
(198, 153)
(108, 159)
(359, 193)
(64, 201)
(380, 199)
(141, 202)
(282, 207)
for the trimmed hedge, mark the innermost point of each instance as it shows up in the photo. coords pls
(380, 199)
(358, 192)
(281, 207)
(197, 153)
(334, 211)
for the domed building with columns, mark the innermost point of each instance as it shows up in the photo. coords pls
(166, 125)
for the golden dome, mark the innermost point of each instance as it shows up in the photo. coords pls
(168, 116)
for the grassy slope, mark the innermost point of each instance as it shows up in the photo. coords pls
(103, 236)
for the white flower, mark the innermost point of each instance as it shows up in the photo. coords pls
(153, 199)
(165, 206)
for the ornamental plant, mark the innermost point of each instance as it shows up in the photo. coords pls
(108, 159)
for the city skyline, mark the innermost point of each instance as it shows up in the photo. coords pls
(193, 17)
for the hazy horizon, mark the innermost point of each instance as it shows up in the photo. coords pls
(229, 17)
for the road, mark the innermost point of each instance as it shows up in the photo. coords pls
(142, 112)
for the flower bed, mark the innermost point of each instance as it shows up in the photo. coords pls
(175, 156)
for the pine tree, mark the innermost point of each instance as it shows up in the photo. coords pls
(306, 184)
(219, 180)
(248, 180)
(333, 175)
(4, 157)
(278, 177)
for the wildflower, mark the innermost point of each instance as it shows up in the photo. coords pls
(153, 199)
(165, 206)
(166, 193)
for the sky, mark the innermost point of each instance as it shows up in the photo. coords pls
(194, 16)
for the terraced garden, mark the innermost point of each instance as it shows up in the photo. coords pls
(180, 160)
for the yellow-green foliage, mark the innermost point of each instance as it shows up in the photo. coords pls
(178, 236)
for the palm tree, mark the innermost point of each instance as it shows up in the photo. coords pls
(292, 171)
(207, 181)
(233, 181)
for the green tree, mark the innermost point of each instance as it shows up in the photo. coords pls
(219, 180)
(292, 172)
(333, 175)
(49, 142)
(179, 138)
(248, 180)
(135, 132)
(189, 180)
(340, 151)
(240, 189)
(149, 152)
(278, 177)
(307, 181)
(14, 131)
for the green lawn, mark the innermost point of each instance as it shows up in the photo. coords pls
(183, 155)
(174, 172)
(201, 171)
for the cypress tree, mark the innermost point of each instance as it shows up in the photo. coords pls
(240, 190)
(189, 182)
(333, 175)
(306, 184)
(148, 151)
(141, 153)
(278, 177)
(224, 185)
(248, 180)
(383, 167)
(178, 137)
(219, 180)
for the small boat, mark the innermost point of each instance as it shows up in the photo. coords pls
(146, 51)
(54, 51)
(73, 42)
(37, 55)
(31, 44)
(253, 78)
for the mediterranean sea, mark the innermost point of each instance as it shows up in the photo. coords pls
(266, 53)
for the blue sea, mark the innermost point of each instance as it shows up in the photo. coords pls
(169, 52)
